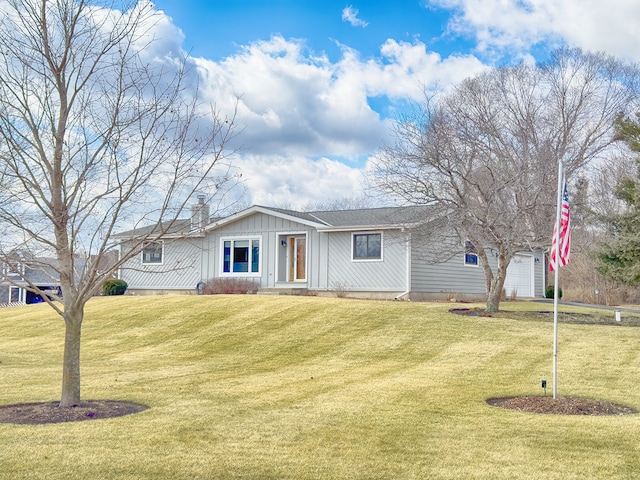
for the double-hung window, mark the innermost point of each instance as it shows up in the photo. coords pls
(366, 246)
(470, 254)
(241, 255)
(152, 253)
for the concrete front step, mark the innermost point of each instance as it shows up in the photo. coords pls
(284, 291)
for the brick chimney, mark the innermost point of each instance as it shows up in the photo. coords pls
(199, 213)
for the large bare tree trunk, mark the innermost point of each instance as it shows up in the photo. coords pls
(494, 295)
(494, 280)
(71, 363)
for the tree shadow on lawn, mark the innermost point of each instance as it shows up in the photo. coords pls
(51, 412)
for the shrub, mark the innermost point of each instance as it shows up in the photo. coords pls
(548, 293)
(340, 289)
(229, 286)
(114, 286)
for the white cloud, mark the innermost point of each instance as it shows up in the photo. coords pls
(297, 107)
(295, 181)
(293, 102)
(517, 25)
(350, 14)
(307, 121)
(406, 68)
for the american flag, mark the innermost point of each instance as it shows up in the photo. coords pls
(565, 236)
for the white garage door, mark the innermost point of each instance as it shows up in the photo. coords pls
(519, 280)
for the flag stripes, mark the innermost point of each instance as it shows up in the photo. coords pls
(564, 236)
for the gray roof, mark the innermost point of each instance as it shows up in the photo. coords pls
(308, 216)
(42, 271)
(375, 217)
(179, 226)
(384, 217)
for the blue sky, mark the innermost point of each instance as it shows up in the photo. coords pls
(320, 81)
(217, 28)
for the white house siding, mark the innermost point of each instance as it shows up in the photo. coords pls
(388, 275)
(182, 268)
(269, 229)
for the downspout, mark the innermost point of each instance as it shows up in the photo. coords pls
(407, 268)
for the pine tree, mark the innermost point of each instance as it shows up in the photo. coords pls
(619, 258)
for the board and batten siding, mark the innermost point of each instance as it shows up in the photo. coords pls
(539, 274)
(182, 268)
(387, 275)
(270, 229)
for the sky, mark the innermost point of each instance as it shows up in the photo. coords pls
(320, 82)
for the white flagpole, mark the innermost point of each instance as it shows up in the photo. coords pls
(555, 282)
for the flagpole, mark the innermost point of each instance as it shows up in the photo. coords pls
(555, 282)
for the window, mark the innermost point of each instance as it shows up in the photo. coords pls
(152, 253)
(241, 255)
(15, 294)
(470, 254)
(367, 246)
(13, 270)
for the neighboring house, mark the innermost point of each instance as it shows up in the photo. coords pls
(378, 252)
(41, 272)
(24, 271)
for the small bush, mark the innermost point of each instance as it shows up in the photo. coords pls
(114, 287)
(548, 293)
(230, 286)
(340, 289)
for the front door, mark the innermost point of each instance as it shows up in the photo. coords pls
(297, 259)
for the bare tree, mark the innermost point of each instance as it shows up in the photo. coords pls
(489, 150)
(97, 132)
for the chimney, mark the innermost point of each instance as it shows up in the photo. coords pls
(199, 213)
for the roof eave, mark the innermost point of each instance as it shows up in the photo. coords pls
(258, 209)
(350, 228)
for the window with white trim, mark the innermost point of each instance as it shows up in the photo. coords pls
(470, 254)
(13, 270)
(366, 246)
(15, 295)
(153, 253)
(241, 256)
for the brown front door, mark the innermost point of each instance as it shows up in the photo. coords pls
(297, 259)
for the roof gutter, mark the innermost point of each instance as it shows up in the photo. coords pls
(351, 228)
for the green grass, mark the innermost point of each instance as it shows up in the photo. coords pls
(258, 387)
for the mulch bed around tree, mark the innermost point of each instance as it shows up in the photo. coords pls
(561, 405)
(51, 412)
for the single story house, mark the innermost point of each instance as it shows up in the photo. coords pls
(23, 271)
(373, 252)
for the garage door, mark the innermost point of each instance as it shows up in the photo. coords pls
(519, 280)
